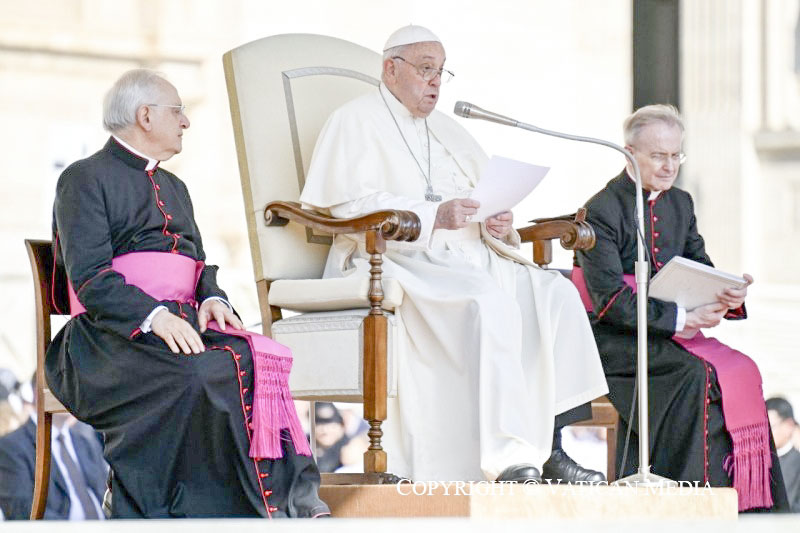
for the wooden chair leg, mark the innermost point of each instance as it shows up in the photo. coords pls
(375, 336)
(41, 479)
(375, 390)
(611, 442)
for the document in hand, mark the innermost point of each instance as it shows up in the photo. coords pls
(691, 284)
(505, 183)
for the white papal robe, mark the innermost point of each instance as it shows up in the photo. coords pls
(496, 346)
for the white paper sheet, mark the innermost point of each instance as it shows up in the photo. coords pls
(505, 183)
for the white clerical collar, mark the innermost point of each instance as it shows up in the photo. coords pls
(786, 448)
(151, 163)
(653, 194)
(397, 107)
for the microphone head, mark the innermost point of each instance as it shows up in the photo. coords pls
(463, 109)
(467, 110)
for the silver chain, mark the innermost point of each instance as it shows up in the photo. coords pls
(429, 196)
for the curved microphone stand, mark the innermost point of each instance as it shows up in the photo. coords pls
(644, 477)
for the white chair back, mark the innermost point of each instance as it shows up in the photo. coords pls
(282, 90)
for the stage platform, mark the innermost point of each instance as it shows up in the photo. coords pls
(480, 507)
(515, 501)
(746, 524)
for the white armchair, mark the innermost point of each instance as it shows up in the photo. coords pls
(281, 91)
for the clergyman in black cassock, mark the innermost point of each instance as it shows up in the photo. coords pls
(172, 398)
(687, 429)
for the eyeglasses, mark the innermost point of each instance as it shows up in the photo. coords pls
(661, 158)
(179, 108)
(427, 72)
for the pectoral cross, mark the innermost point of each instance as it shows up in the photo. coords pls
(430, 197)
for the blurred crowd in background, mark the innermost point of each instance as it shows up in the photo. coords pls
(16, 401)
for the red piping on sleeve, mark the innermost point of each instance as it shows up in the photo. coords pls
(85, 283)
(611, 301)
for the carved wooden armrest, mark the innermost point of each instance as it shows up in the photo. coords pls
(573, 232)
(378, 227)
(390, 225)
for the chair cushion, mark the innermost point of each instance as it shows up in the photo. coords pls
(331, 294)
(328, 351)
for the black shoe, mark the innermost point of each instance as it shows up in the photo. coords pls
(562, 468)
(520, 473)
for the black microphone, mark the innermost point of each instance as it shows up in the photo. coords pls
(467, 110)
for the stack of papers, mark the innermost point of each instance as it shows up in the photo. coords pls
(505, 183)
(691, 284)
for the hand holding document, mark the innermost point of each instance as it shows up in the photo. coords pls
(505, 183)
(691, 284)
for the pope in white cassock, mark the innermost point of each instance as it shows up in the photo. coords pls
(497, 347)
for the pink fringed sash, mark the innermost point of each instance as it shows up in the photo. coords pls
(745, 418)
(174, 277)
(273, 407)
(742, 407)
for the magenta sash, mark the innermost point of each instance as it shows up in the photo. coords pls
(743, 408)
(162, 275)
(174, 277)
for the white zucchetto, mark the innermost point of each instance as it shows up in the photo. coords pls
(409, 35)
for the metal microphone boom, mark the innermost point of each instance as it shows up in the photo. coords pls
(644, 477)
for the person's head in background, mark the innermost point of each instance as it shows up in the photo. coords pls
(12, 411)
(781, 420)
(329, 425)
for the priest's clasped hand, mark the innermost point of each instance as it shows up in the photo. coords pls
(734, 298)
(213, 309)
(456, 213)
(179, 335)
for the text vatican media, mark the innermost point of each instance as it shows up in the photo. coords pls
(406, 487)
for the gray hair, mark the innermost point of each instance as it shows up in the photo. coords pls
(644, 116)
(392, 52)
(132, 90)
(395, 51)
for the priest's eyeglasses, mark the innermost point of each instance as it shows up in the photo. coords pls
(427, 72)
(178, 108)
(660, 158)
